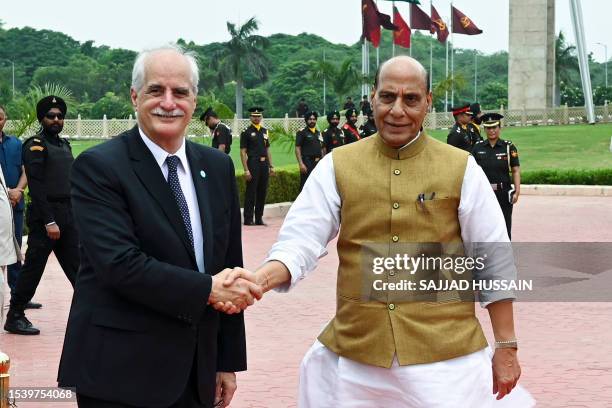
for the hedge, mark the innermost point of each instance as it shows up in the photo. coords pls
(285, 184)
(592, 177)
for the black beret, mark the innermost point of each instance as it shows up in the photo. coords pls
(47, 103)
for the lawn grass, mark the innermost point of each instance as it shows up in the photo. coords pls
(540, 147)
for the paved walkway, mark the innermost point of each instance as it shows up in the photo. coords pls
(566, 348)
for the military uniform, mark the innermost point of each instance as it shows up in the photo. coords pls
(311, 144)
(496, 162)
(351, 134)
(222, 135)
(463, 136)
(333, 137)
(256, 143)
(47, 160)
(368, 128)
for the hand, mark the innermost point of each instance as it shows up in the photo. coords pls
(236, 273)
(303, 168)
(237, 295)
(272, 171)
(515, 197)
(53, 231)
(15, 195)
(247, 175)
(226, 387)
(506, 371)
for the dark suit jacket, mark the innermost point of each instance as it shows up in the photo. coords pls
(139, 317)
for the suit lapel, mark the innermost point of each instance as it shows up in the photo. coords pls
(199, 173)
(149, 173)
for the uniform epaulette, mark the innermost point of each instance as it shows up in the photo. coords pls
(508, 142)
(34, 139)
(479, 142)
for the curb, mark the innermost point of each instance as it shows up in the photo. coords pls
(560, 190)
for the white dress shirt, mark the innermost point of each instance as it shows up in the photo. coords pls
(314, 219)
(186, 181)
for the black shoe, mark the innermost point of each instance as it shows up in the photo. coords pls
(260, 222)
(33, 305)
(19, 324)
(248, 223)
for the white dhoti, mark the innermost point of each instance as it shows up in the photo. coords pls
(329, 380)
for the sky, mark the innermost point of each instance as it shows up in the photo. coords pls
(137, 24)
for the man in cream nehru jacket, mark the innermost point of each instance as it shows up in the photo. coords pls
(380, 350)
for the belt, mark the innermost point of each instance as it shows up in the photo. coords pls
(499, 186)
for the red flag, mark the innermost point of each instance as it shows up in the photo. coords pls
(438, 25)
(372, 20)
(419, 20)
(401, 37)
(371, 25)
(462, 23)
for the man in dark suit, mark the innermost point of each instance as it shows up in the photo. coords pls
(159, 221)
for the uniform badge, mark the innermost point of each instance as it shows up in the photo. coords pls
(266, 135)
(37, 149)
(514, 154)
(320, 138)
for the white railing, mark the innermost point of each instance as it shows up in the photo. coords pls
(106, 128)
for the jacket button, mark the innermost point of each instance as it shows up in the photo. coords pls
(391, 306)
(391, 272)
(395, 238)
(397, 172)
(396, 205)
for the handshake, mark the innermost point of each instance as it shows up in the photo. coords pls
(233, 290)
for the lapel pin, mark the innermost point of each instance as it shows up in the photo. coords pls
(202, 174)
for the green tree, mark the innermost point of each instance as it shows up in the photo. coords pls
(493, 95)
(112, 106)
(244, 52)
(566, 65)
(343, 78)
(210, 99)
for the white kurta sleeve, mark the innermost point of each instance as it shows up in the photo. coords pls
(483, 231)
(312, 221)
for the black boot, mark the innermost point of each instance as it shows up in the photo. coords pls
(17, 323)
(259, 221)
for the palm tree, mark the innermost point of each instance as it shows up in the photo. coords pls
(566, 63)
(343, 78)
(245, 51)
(25, 107)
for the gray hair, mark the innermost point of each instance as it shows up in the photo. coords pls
(138, 72)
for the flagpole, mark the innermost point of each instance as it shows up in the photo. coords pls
(446, 92)
(392, 38)
(430, 54)
(377, 48)
(410, 19)
(452, 59)
(324, 85)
